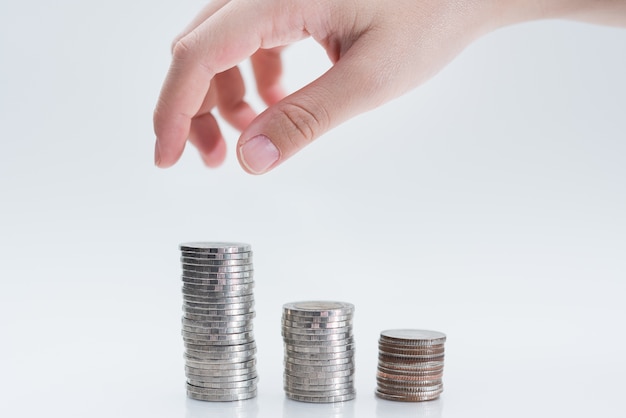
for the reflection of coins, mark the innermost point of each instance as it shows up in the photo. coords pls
(319, 351)
(217, 323)
(410, 365)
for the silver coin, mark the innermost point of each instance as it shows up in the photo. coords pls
(316, 325)
(210, 318)
(310, 362)
(296, 317)
(289, 367)
(221, 358)
(316, 389)
(216, 256)
(214, 262)
(324, 381)
(218, 305)
(214, 296)
(223, 318)
(316, 332)
(207, 275)
(338, 392)
(319, 357)
(320, 375)
(229, 339)
(215, 247)
(399, 388)
(201, 331)
(322, 399)
(314, 343)
(412, 337)
(217, 269)
(216, 391)
(215, 324)
(409, 383)
(423, 396)
(236, 386)
(223, 282)
(219, 288)
(222, 398)
(197, 364)
(250, 383)
(221, 377)
(221, 347)
(323, 384)
(318, 349)
(229, 302)
(212, 337)
(204, 318)
(304, 339)
(318, 308)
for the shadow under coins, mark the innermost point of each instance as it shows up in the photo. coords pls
(238, 409)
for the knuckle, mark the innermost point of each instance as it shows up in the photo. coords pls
(184, 46)
(303, 122)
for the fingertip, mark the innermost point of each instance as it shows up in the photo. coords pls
(258, 154)
(216, 157)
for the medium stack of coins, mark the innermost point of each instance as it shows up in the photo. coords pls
(218, 306)
(410, 365)
(319, 351)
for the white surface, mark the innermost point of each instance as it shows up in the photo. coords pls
(489, 204)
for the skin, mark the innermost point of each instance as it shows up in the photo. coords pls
(379, 50)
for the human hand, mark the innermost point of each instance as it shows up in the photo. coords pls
(379, 50)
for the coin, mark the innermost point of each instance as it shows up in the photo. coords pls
(222, 398)
(322, 399)
(224, 385)
(423, 396)
(318, 308)
(190, 274)
(216, 256)
(413, 337)
(214, 262)
(221, 377)
(215, 247)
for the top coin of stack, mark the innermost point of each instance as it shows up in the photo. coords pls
(410, 365)
(319, 351)
(218, 309)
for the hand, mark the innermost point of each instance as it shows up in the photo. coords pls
(379, 49)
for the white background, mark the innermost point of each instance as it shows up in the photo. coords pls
(489, 204)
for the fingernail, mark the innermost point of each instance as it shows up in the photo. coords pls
(157, 154)
(258, 154)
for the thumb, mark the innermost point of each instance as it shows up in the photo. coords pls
(355, 84)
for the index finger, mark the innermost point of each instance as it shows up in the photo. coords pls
(221, 42)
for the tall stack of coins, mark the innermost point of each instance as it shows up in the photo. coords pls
(218, 309)
(410, 365)
(319, 351)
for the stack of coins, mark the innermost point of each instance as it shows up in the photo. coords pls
(319, 351)
(218, 309)
(410, 365)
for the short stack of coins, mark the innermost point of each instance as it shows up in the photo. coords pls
(319, 351)
(410, 365)
(218, 310)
